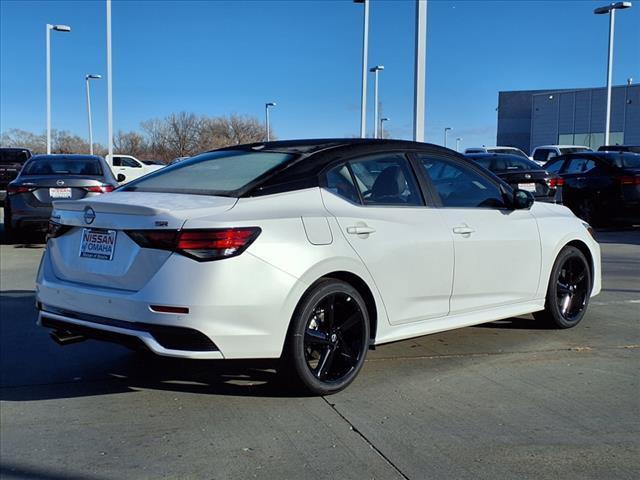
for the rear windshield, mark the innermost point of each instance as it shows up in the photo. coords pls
(507, 162)
(215, 173)
(627, 160)
(565, 150)
(619, 148)
(13, 156)
(512, 151)
(63, 166)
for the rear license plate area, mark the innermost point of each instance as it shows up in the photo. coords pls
(98, 244)
(60, 192)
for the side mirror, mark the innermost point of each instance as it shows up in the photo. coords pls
(522, 199)
(121, 178)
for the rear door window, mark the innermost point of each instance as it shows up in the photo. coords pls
(386, 179)
(339, 182)
(543, 154)
(580, 165)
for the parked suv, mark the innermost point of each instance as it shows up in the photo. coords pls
(11, 162)
(544, 153)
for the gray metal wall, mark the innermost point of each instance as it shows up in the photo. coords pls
(527, 119)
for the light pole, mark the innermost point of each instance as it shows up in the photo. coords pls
(420, 70)
(446, 130)
(365, 51)
(376, 120)
(57, 28)
(266, 114)
(458, 144)
(86, 80)
(382, 120)
(109, 86)
(611, 10)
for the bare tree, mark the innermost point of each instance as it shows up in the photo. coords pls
(177, 135)
(21, 138)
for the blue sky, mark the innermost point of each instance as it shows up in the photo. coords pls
(221, 57)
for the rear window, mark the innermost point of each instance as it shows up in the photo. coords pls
(63, 166)
(216, 173)
(8, 157)
(508, 163)
(565, 150)
(627, 160)
(511, 151)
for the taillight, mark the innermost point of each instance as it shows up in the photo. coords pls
(54, 230)
(16, 189)
(201, 245)
(555, 182)
(628, 179)
(99, 188)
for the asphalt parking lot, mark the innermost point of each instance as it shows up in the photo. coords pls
(501, 400)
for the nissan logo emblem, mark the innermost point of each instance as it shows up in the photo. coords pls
(527, 175)
(60, 183)
(89, 215)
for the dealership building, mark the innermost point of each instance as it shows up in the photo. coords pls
(527, 119)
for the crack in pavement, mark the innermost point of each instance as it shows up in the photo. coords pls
(332, 406)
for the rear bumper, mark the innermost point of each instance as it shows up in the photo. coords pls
(161, 340)
(241, 305)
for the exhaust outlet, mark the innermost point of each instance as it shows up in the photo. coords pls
(64, 337)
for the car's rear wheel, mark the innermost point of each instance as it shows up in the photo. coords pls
(328, 338)
(568, 291)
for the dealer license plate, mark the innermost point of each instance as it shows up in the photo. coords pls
(98, 244)
(60, 192)
(529, 187)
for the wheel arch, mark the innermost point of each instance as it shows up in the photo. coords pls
(580, 245)
(367, 295)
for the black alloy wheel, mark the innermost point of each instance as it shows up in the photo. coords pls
(329, 337)
(568, 291)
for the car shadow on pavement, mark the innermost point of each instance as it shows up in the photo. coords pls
(516, 323)
(34, 367)
(19, 471)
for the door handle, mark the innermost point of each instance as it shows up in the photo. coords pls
(463, 230)
(360, 230)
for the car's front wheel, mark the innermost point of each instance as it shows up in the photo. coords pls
(568, 291)
(328, 338)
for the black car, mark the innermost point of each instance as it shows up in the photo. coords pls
(620, 148)
(11, 162)
(46, 178)
(600, 187)
(521, 173)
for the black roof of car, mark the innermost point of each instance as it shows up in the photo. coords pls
(317, 154)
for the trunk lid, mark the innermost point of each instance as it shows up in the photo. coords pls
(534, 181)
(130, 266)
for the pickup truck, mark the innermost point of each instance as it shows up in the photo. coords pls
(11, 162)
(126, 168)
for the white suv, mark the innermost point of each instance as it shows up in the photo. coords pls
(126, 168)
(544, 153)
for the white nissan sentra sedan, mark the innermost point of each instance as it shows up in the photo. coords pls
(311, 251)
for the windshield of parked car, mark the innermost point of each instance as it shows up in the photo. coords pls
(8, 157)
(63, 166)
(215, 173)
(626, 160)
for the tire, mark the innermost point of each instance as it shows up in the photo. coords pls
(568, 291)
(328, 338)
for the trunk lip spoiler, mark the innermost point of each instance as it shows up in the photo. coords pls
(108, 207)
